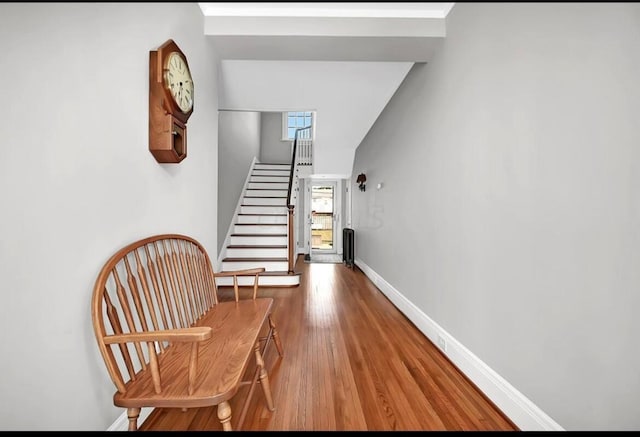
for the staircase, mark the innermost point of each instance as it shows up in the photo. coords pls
(259, 237)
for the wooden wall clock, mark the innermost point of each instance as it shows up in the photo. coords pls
(170, 102)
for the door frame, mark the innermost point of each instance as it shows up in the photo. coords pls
(337, 214)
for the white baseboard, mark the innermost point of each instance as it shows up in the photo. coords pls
(522, 412)
(122, 422)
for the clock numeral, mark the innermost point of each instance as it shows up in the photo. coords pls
(179, 81)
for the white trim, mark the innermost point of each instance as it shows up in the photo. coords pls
(122, 422)
(524, 413)
(227, 239)
(306, 216)
(354, 10)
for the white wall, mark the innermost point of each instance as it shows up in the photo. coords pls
(239, 134)
(272, 148)
(510, 211)
(347, 98)
(78, 182)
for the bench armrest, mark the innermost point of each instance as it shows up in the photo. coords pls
(184, 335)
(193, 335)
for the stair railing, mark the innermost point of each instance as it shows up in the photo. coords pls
(301, 139)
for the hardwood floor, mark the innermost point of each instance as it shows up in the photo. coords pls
(351, 361)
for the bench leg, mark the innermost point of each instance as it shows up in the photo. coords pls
(276, 336)
(133, 414)
(264, 380)
(224, 415)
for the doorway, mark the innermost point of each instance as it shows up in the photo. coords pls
(323, 217)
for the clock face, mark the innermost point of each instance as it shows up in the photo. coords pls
(177, 79)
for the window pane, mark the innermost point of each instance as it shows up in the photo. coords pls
(296, 120)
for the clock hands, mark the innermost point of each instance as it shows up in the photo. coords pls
(180, 83)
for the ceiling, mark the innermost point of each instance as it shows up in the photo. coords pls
(326, 31)
(376, 44)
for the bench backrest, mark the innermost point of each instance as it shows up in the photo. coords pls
(160, 282)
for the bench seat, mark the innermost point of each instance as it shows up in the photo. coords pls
(235, 331)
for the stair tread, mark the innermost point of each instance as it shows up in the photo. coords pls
(266, 213)
(255, 259)
(258, 235)
(257, 246)
(265, 197)
(271, 273)
(261, 224)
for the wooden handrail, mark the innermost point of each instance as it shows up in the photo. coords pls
(293, 164)
(290, 204)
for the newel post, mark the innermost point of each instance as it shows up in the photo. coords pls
(291, 252)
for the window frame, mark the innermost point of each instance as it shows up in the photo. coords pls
(285, 125)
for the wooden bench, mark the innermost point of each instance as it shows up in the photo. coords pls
(165, 338)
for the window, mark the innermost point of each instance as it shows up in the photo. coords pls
(294, 120)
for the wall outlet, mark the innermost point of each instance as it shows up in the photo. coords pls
(442, 343)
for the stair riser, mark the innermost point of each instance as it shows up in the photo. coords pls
(270, 266)
(269, 185)
(248, 209)
(263, 240)
(261, 172)
(266, 193)
(259, 229)
(279, 201)
(282, 180)
(233, 252)
(282, 280)
(263, 219)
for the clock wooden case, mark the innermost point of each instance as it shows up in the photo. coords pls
(170, 102)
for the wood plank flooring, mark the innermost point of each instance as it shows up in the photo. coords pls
(351, 362)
